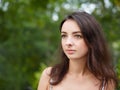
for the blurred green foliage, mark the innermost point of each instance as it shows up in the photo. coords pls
(29, 36)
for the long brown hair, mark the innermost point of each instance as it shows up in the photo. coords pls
(98, 61)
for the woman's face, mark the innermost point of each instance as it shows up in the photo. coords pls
(72, 41)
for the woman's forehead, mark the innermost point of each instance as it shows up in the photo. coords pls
(70, 25)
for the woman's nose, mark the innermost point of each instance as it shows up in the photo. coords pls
(69, 41)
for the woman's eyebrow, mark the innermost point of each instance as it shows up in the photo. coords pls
(72, 32)
(63, 32)
(76, 32)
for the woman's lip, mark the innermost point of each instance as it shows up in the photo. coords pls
(70, 51)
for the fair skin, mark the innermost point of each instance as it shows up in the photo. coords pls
(78, 76)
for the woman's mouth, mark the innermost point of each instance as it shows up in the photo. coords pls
(70, 51)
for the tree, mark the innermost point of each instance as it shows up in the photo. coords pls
(29, 36)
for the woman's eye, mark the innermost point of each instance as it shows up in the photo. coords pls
(63, 36)
(78, 36)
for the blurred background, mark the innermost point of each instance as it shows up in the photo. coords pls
(29, 36)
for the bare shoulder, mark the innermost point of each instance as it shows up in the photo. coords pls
(46, 71)
(44, 79)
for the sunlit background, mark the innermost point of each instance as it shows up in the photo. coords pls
(29, 36)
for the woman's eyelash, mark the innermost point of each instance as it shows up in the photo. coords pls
(78, 36)
(63, 35)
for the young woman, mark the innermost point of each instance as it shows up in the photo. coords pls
(85, 61)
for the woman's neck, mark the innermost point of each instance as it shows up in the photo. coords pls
(78, 67)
